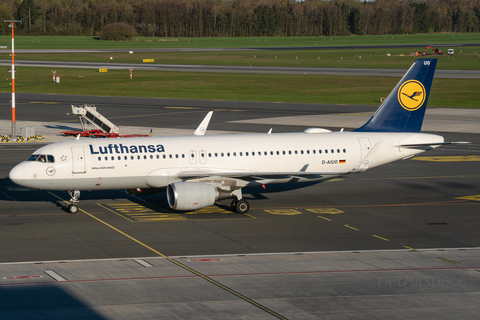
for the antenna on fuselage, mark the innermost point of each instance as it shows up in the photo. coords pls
(269, 131)
(78, 137)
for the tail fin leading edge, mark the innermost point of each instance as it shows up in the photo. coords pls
(405, 106)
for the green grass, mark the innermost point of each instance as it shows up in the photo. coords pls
(245, 87)
(465, 58)
(56, 42)
(248, 87)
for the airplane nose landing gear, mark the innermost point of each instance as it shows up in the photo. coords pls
(75, 194)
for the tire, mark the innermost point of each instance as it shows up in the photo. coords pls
(73, 208)
(242, 206)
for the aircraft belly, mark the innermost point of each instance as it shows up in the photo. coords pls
(84, 183)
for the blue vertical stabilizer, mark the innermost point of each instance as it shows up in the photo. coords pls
(404, 108)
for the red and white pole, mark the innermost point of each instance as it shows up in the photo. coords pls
(14, 132)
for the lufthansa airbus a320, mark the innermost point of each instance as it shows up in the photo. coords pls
(198, 170)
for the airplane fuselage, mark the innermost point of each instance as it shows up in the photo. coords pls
(155, 162)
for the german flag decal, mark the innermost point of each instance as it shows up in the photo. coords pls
(342, 161)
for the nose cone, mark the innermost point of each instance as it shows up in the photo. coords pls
(17, 174)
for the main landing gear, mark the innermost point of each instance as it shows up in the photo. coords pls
(75, 194)
(238, 204)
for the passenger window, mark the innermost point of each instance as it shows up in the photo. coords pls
(313, 151)
(99, 158)
(221, 154)
(158, 156)
(106, 158)
(125, 157)
(308, 151)
(164, 156)
(216, 155)
(119, 158)
(234, 154)
(246, 153)
(176, 156)
(240, 153)
(278, 153)
(209, 155)
(296, 152)
(138, 157)
(183, 156)
(344, 151)
(283, 152)
(170, 156)
(333, 151)
(266, 153)
(301, 151)
(113, 158)
(253, 153)
(290, 152)
(326, 151)
(338, 150)
(320, 151)
(132, 157)
(228, 154)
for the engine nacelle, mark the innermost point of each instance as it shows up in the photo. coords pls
(186, 196)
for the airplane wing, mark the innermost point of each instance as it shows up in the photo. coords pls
(257, 175)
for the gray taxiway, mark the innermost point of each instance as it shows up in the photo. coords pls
(399, 241)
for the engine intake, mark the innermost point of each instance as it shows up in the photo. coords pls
(186, 196)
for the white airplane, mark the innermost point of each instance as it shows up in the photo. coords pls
(198, 170)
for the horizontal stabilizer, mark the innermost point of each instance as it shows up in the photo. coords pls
(413, 145)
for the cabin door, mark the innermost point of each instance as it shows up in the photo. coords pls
(78, 159)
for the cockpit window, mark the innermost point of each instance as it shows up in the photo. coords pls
(41, 158)
(33, 157)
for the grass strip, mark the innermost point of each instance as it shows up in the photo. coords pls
(89, 42)
(398, 58)
(244, 87)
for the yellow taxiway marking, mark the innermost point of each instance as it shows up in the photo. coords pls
(448, 260)
(412, 248)
(188, 108)
(449, 158)
(136, 212)
(346, 225)
(115, 212)
(201, 275)
(472, 198)
(325, 218)
(284, 212)
(325, 210)
(380, 237)
(432, 177)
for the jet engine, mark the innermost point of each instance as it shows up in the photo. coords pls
(186, 196)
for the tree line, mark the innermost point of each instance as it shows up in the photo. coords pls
(239, 18)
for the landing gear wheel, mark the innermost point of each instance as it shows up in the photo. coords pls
(73, 208)
(233, 205)
(75, 194)
(242, 206)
